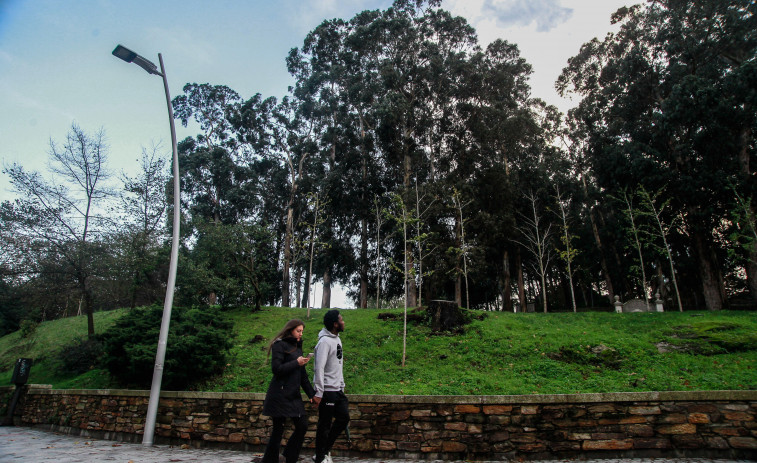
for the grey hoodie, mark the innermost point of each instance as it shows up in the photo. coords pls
(328, 363)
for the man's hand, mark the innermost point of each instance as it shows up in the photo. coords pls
(316, 401)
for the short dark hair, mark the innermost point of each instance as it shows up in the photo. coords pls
(331, 317)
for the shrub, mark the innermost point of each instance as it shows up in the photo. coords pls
(197, 346)
(28, 328)
(79, 357)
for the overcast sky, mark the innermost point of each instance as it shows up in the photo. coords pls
(56, 66)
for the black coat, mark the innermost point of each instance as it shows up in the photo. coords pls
(283, 397)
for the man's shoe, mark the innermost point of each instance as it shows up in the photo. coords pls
(327, 458)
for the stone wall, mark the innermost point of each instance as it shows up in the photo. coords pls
(709, 423)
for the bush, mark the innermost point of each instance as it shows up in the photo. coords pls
(80, 357)
(28, 328)
(197, 346)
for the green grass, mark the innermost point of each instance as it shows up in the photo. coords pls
(45, 342)
(502, 353)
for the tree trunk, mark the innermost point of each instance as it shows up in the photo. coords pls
(88, 309)
(298, 285)
(305, 301)
(507, 300)
(326, 298)
(445, 316)
(458, 267)
(364, 264)
(712, 280)
(602, 260)
(285, 285)
(521, 284)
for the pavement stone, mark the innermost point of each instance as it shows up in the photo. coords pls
(28, 445)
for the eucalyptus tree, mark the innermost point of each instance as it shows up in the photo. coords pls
(294, 142)
(668, 101)
(63, 214)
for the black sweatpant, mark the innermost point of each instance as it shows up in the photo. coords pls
(294, 444)
(334, 407)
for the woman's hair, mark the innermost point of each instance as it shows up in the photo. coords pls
(285, 332)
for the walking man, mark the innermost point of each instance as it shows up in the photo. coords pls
(333, 407)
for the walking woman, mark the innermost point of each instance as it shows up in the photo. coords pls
(283, 399)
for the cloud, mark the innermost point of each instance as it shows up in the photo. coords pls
(547, 14)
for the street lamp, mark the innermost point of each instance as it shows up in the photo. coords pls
(157, 376)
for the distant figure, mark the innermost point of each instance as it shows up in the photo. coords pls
(329, 387)
(283, 399)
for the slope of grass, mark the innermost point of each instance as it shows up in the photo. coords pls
(45, 342)
(501, 353)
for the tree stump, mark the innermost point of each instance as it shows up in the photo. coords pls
(446, 316)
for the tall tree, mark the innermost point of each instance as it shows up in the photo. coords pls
(665, 102)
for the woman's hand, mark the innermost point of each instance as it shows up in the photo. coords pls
(303, 360)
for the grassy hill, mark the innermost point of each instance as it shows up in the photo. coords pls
(501, 353)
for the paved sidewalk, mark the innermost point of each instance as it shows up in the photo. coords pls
(29, 445)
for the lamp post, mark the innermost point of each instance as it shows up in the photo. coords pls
(157, 376)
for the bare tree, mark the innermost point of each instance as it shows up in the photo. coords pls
(632, 213)
(420, 238)
(379, 223)
(458, 204)
(655, 209)
(63, 208)
(399, 213)
(569, 254)
(536, 237)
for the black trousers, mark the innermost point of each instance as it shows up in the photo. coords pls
(333, 418)
(294, 444)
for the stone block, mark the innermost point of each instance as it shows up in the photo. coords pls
(702, 408)
(533, 447)
(455, 426)
(675, 418)
(387, 445)
(400, 415)
(728, 430)
(499, 419)
(652, 443)
(738, 416)
(644, 410)
(612, 444)
(499, 436)
(676, 429)
(467, 409)
(603, 408)
(362, 445)
(743, 442)
(451, 446)
(716, 443)
(698, 418)
(687, 441)
(498, 409)
(564, 446)
(431, 448)
(641, 430)
(529, 410)
(475, 429)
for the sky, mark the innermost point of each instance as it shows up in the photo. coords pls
(56, 67)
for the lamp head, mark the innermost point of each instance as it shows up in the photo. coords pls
(130, 57)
